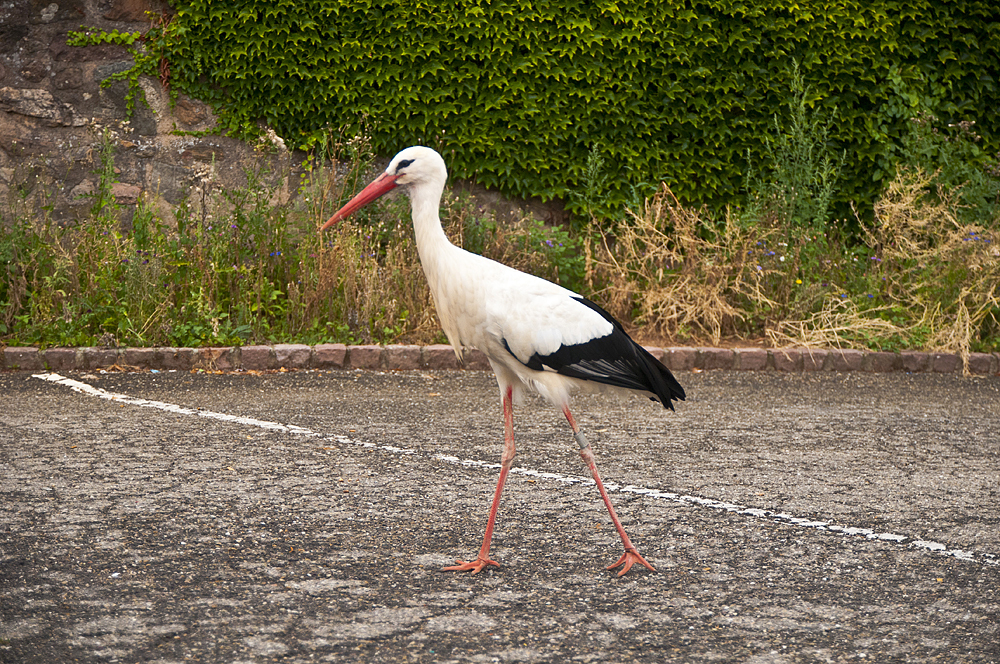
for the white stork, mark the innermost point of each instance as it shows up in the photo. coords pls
(537, 335)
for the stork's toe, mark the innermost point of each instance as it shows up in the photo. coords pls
(475, 566)
(629, 558)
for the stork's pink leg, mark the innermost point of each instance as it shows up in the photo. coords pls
(483, 560)
(631, 555)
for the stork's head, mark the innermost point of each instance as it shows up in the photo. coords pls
(413, 167)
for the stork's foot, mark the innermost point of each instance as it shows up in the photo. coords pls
(631, 557)
(476, 566)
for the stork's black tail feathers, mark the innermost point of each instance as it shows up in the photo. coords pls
(665, 386)
(614, 359)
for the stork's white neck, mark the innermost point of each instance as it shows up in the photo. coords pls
(432, 243)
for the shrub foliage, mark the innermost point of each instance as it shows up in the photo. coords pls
(517, 93)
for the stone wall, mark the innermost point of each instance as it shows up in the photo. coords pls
(53, 108)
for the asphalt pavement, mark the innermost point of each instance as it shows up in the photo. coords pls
(304, 517)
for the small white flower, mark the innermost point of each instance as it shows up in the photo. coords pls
(276, 140)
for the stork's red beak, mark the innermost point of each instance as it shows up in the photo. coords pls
(382, 185)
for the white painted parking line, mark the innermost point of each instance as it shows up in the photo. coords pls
(781, 517)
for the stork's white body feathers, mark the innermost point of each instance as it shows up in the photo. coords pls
(510, 316)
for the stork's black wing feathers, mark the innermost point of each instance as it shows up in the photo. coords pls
(614, 359)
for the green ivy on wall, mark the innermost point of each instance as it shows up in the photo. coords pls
(517, 93)
(149, 61)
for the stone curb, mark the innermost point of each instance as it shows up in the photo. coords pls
(440, 356)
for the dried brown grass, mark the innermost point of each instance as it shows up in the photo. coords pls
(362, 276)
(665, 268)
(376, 289)
(938, 279)
(840, 323)
(921, 279)
(946, 272)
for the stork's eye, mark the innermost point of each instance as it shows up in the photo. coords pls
(403, 164)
